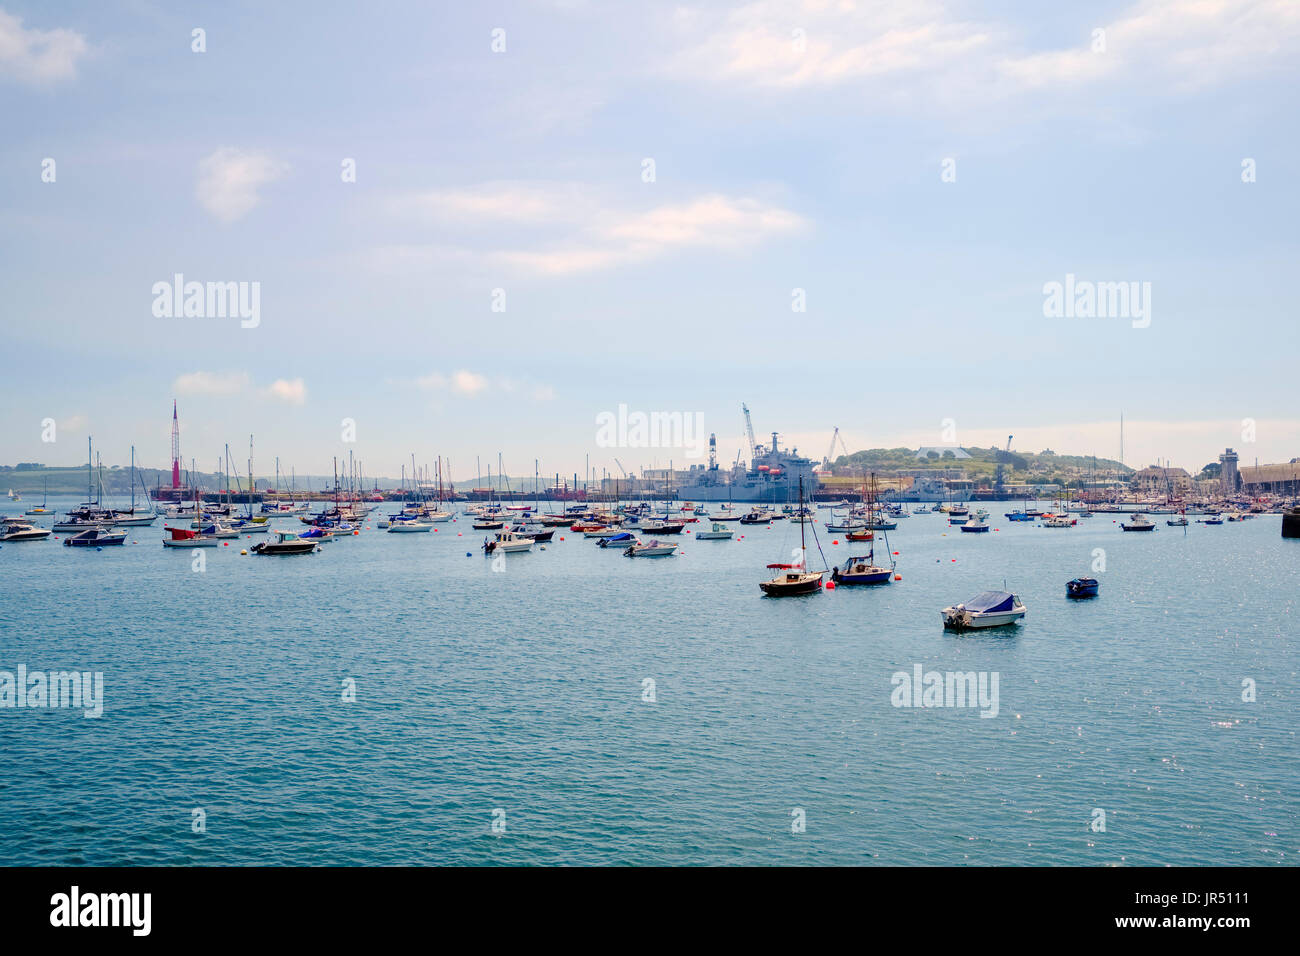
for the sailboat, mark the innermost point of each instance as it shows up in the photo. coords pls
(864, 570)
(91, 514)
(45, 497)
(795, 578)
(204, 537)
(130, 518)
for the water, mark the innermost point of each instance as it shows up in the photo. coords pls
(521, 691)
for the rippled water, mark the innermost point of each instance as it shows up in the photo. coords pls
(522, 691)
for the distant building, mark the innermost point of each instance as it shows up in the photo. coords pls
(1228, 472)
(1155, 479)
(939, 450)
(1281, 479)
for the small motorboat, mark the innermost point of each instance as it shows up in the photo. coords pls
(862, 570)
(487, 525)
(536, 533)
(624, 540)
(506, 542)
(318, 534)
(1018, 516)
(755, 517)
(975, 523)
(719, 533)
(409, 526)
(651, 549)
(1082, 588)
(286, 542)
(1179, 522)
(1139, 522)
(860, 535)
(22, 531)
(95, 538)
(989, 609)
(1059, 521)
(1213, 519)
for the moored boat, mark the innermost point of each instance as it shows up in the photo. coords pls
(95, 538)
(1082, 588)
(21, 531)
(286, 542)
(987, 609)
(1139, 522)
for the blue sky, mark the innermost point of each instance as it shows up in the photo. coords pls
(796, 145)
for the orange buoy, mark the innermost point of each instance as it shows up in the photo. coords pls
(834, 542)
(898, 577)
(830, 585)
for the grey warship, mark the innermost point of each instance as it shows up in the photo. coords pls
(772, 475)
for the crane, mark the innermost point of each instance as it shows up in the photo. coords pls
(830, 454)
(749, 431)
(621, 468)
(1000, 474)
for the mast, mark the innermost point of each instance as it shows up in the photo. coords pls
(133, 480)
(803, 547)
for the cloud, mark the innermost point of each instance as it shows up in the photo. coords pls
(585, 234)
(472, 384)
(463, 382)
(925, 51)
(211, 383)
(38, 56)
(230, 178)
(292, 391)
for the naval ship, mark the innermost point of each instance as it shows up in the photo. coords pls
(772, 476)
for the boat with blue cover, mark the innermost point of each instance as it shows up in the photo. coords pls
(1082, 588)
(987, 609)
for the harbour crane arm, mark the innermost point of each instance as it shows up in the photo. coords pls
(749, 432)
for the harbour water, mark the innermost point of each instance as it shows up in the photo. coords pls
(517, 697)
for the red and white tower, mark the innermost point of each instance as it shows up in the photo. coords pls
(176, 448)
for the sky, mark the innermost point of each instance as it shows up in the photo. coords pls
(474, 229)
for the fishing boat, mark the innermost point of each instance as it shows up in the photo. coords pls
(22, 531)
(720, 532)
(95, 538)
(651, 549)
(1178, 522)
(756, 516)
(988, 609)
(976, 523)
(1139, 522)
(863, 569)
(1082, 588)
(286, 542)
(794, 579)
(506, 542)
